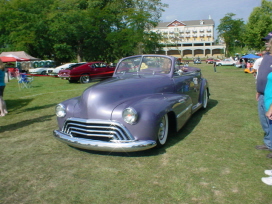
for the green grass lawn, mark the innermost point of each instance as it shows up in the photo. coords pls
(212, 159)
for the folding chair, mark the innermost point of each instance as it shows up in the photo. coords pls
(25, 81)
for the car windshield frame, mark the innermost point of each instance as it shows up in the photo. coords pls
(144, 65)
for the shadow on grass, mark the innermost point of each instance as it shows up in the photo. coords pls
(190, 125)
(14, 105)
(17, 104)
(38, 107)
(172, 140)
(25, 123)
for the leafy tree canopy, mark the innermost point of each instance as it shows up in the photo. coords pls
(231, 31)
(259, 25)
(79, 30)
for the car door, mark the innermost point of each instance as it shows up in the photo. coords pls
(101, 70)
(107, 70)
(188, 83)
(95, 70)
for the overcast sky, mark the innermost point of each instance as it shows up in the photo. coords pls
(184, 10)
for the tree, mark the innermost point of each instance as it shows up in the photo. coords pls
(231, 31)
(22, 25)
(130, 28)
(259, 25)
(82, 30)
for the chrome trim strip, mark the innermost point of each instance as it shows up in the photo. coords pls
(96, 135)
(196, 106)
(184, 111)
(131, 146)
(108, 126)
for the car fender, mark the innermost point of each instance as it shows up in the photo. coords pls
(151, 109)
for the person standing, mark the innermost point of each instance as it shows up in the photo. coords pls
(214, 66)
(257, 64)
(268, 107)
(3, 108)
(263, 71)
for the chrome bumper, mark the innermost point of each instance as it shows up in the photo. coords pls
(96, 145)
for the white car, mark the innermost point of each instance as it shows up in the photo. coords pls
(227, 62)
(55, 71)
(39, 70)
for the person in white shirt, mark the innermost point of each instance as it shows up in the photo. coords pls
(256, 66)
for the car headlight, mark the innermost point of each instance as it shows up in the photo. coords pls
(60, 110)
(130, 115)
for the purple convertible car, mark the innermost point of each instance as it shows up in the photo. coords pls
(148, 96)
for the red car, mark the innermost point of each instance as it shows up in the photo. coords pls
(211, 60)
(86, 72)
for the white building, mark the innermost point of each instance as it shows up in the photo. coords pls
(189, 38)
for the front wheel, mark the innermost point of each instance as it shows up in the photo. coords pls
(163, 131)
(205, 99)
(84, 79)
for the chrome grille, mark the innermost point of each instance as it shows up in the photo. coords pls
(96, 130)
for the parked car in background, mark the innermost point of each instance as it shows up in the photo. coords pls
(86, 72)
(39, 67)
(238, 64)
(227, 61)
(55, 71)
(211, 60)
(147, 97)
(197, 61)
(38, 71)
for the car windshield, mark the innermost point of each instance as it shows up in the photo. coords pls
(145, 64)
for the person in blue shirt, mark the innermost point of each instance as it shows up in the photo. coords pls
(264, 69)
(3, 108)
(268, 107)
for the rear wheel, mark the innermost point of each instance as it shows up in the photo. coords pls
(43, 73)
(163, 130)
(84, 79)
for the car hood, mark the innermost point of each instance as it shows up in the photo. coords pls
(98, 101)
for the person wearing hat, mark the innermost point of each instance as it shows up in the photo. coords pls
(263, 71)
